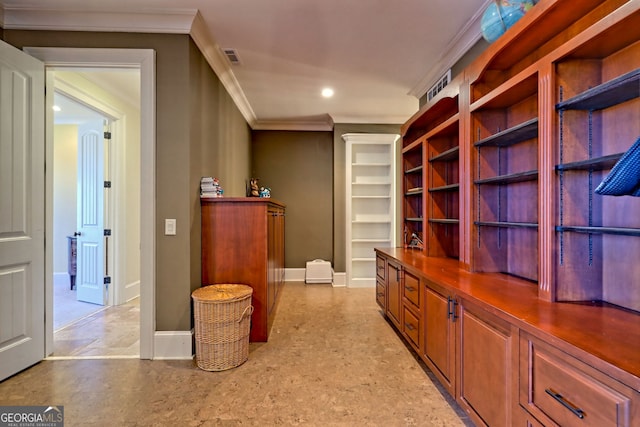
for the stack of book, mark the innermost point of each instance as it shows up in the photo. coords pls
(210, 187)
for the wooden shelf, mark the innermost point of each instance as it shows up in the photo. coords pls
(444, 221)
(595, 164)
(417, 169)
(599, 230)
(613, 92)
(506, 224)
(450, 154)
(414, 191)
(508, 179)
(413, 219)
(450, 187)
(513, 135)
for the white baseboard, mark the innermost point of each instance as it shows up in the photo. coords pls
(132, 290)
(339, 280)
(294, 274)
(173, 345)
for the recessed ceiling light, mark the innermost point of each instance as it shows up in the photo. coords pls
(56, 108)
(327, 92)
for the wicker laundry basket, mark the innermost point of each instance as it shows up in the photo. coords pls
(222, 316)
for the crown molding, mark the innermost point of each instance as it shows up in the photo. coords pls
(136, 21)
(319, 125)
(455, 50)
(181, 21)
(221, 66)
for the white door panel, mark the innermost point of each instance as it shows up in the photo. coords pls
(22, 153)
(91, 254)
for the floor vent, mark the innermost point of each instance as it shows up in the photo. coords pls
(439, 85)
(232, 56)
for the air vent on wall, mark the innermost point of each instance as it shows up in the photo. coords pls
(232, 56)
(439, 85)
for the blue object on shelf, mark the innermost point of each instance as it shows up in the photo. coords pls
(500, 15)
(624, 178)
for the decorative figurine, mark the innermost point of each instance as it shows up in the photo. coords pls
(254, 191)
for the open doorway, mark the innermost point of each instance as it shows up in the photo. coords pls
(107, 325)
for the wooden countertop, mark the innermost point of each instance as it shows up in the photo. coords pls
(206, 200)
(598, 332)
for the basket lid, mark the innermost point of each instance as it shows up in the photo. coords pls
(222, 292)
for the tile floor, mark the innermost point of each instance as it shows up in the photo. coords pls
(331, 360)
(109, 332)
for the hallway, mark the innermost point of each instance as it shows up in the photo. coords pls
(332, 360)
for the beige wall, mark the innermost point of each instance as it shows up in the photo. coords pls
(65, 165)
(298, 167)
(179, 152)
(339, 208)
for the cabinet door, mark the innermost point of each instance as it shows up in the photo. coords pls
(558, 388)
(271, 259)
(393, 292)
(486, 367)
(440, 337)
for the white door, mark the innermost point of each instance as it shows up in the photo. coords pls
(22, 216)
(90, 280)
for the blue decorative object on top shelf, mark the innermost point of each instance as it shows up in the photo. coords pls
(500, 15)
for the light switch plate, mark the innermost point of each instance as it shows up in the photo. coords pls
(170, 227)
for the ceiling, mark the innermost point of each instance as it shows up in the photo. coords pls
(379, 56)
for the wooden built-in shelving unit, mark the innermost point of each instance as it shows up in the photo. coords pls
(499, 172)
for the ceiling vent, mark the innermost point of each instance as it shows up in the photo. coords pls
(439, 85)
(232, 56)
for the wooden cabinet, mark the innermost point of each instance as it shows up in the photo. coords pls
(440, 316)
(485, 377)
(531, 280)
(403, 293)
(394, 287)
(72, 260)
(496, 346)
(411, 308)
(559, 389)
(381, 285)
(243, 242)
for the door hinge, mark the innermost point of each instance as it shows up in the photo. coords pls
(107, 280)
(107, 135)
(107, 232)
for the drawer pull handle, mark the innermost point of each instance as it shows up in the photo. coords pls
(409, 326)
(557, 396)
(410, 288)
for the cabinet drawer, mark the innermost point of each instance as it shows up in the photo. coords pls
(412, 327)
(572, 393)
(380, 267)
(381, 294)
(411, 288)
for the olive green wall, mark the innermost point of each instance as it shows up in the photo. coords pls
(198, 131)
(298, 168)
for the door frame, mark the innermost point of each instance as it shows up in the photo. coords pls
(117, 119)
(144, 59)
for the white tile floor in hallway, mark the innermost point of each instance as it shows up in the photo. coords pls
(88, 330)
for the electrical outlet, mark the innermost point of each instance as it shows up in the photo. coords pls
(170, 227)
